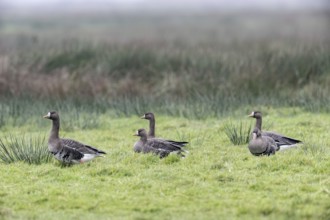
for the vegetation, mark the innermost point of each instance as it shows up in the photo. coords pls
(201, 76)
(216, 179)
(32, 150)
(203, 60)
(238, 133)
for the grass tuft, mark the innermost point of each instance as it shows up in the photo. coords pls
(238, 133)
(31, 150)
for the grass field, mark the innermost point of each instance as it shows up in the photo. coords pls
(216, 180)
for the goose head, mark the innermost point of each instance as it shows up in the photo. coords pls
(141, 133)
(255, 114)
(148, 116)
(52, 115)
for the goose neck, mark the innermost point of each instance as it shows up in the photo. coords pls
(259, 123)
(54, 133)
(152, 127)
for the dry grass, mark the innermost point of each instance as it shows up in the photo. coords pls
(153, 55)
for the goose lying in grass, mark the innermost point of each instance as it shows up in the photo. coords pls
(282, 141)
(152, 123)
(157, 146)
(262, 145)
(67, 150)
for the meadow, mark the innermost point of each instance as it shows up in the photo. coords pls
(200, 74)
(216, 180)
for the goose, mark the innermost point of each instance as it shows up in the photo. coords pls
(157, 146)
(67, 150)
(282, 141)
(261, 145)
(151, 134)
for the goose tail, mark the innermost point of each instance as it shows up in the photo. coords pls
(287, 147)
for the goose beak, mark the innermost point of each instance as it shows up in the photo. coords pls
(251, 115)
(47, 116)
(136, 134)
(143, 117)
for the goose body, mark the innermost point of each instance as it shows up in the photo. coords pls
(67, 150)
(261, 145)
(154, 145)
(138, 146)
(151, 133)
(282, 141)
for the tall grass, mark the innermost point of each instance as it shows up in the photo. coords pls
(28, 149)
(238, 133)
(144, 71)
(198, 71)
(84, 114)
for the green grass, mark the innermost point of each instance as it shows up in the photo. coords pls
(215, 181)
(238, 133)
(30, 149)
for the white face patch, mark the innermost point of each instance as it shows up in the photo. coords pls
(254, 136)
(48, 115)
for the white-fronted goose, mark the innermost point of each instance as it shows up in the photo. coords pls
(152, 124)
(261, 145)
(157, 146)
(282, 141)
(67, 150)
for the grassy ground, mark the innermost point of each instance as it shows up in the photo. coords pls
(217, 180)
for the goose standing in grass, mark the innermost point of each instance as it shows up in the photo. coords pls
(261, 145)
(67, 150)
(157, 146)
(282, 141)
(152, 123)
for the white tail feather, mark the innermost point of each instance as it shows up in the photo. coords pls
(88, 157)
(286, 147)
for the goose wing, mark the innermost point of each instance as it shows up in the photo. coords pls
(177, 143)
(159, 147)
(85, 149)
(271, 145)
(280, 139)
(180, 143)
(163, 145)
(68, 155)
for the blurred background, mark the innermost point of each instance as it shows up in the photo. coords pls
(194, 58)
